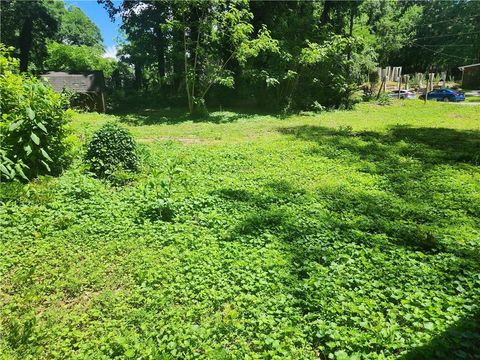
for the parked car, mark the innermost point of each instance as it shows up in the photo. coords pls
(404, 94)
(444, 95)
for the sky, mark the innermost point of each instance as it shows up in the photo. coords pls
(99, 16)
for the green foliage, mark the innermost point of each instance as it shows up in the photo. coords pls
(326, 75)
(347, 234)
(27, 25)
(228, 23)
(394, 25)
(30, 25)
(33, 124)
(76, 28)
(159, 210)
(447, 36)
(62, 57)
(283, 55)
(384, 99)
(111, 149)
(8, 64)
(286, 55)
(203, 40)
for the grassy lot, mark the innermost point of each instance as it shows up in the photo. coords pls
(474, 99)
(342, 235)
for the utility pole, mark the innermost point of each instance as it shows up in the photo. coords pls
(428, 84)
(384, 79)
(399, 76)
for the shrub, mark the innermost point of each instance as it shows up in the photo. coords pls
(32, 125)
(384, 100)
(112, 148)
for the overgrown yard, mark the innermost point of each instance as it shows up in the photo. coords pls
(342, 235)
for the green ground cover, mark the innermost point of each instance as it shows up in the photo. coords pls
(473, 99)
(341, 235)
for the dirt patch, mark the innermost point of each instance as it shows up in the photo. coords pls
(186, 141)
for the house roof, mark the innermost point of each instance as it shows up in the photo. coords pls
(461, 68)
(78, 82)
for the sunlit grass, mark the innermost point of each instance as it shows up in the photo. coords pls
(340, 234)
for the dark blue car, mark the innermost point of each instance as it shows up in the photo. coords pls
(444, 95)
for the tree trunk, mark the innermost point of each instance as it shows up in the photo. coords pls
(138, 76)
(177, 60)
(160, 57)
(25, 43)
(161, 65)
(187, 82)
(325, 17)
(350, 32)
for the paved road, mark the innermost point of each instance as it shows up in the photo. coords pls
(473, 93)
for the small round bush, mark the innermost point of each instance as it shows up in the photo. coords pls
(111, 149)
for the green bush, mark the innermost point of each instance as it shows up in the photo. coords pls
(111, 149)
(33, 124)
(384, 100)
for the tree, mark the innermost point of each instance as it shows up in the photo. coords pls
(76, 28)
(27, 25)
(285, 80)
(144, 24)
(217, 47)
(393, 24)
(211, 29)
(447, 35)
(63, 57)
(212, 34)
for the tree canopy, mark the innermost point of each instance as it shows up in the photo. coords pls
(278, 55)
(62, 57)
(76, 28)
(317, 52)
(30, 25)
(27, 25)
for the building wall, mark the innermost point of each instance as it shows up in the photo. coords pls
(471, 77)
(89, 101)
(88, 88)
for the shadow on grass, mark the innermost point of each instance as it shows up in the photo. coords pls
(407, 158)
(429, 145)
(459, 341)
(335, 228)
(177, 115)
(275, 193)
(329, 241)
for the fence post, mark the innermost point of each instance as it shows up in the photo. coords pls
(399, 81)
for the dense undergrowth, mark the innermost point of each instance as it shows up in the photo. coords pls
(345, 235)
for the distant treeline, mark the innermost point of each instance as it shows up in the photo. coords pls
(271, 54)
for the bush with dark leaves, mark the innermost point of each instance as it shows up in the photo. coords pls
(111, 149)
